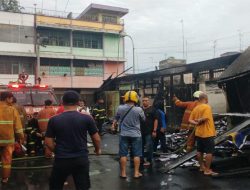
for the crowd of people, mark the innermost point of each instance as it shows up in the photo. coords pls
(63, 133)
(142, 128)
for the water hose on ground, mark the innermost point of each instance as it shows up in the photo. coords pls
(46, 166)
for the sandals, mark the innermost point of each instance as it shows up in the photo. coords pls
(139, 176)
(4, 180)
(210, 173)
(146, 164)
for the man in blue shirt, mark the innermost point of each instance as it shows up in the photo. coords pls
(66, 136)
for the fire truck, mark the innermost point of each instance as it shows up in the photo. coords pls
(31, 97)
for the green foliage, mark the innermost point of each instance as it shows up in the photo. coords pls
(10, 5)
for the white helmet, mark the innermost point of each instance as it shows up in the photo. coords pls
(196, 94)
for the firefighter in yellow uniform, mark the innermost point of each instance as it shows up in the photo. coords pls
(10, 127)
(21, 111)
(43, 118)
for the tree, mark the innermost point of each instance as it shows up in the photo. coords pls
(10, 5)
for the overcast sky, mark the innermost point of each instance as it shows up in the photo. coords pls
(210, 27)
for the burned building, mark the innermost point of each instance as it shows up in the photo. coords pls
(181, 81)
(235, 81)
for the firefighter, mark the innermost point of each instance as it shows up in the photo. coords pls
(10, 127)
(34, 137)
(99, 114)
(189, 106)
(21, 111)
(18, 150)
(43, 117)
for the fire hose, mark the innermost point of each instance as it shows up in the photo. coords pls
(43, 167)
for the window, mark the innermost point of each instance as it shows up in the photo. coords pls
(87, 68)
(109, 19)
(87, 40)
(12, 65)
(55, 67)
(55, 37)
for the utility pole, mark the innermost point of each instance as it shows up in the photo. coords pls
(37, 57)
(186, 50)
(183, 39)
(240, 40)
(215, 44)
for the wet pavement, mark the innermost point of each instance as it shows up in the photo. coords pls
(104, 173)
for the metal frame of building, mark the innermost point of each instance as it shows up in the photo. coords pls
(161, 84)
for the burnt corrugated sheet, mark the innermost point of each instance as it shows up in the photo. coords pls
(240, 67)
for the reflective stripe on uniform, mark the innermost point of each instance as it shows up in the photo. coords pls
(43, 120)
(7, 166)
(188, 111)
(28, 128)
(2, 122)
(101, 110)
(7, 141)
(19, 131)
(102, 117)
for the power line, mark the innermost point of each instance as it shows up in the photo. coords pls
(66, 5)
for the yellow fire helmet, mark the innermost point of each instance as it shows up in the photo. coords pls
(131, 96)
(196, 94)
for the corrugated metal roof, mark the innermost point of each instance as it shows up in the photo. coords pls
(239, 67)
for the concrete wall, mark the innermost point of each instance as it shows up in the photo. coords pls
(16, 47)
(88, 52)
(76, 81)
(16, 19)
(13, 28)
(71, 23)
(110, 44)
(113, 68)
(5, 79)
(216, 98)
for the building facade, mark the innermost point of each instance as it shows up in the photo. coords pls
(63, 52)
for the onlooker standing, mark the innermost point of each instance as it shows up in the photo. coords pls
(83, 107)
(10, 127)
(202, 117)
(148, 129)
(129, 118)
(161, 123)
(71, 154)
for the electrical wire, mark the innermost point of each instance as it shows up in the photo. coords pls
(66, 5)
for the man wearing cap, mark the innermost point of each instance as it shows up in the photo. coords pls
(71, 154)
(189, 106)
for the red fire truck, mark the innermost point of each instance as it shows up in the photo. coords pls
(30, 96)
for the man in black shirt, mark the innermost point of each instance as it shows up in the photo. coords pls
(66, 136)
(148, 129)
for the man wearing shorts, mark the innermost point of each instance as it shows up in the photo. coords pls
(129, 118)
(202, 117)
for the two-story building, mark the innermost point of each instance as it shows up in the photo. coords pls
(66, 53)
